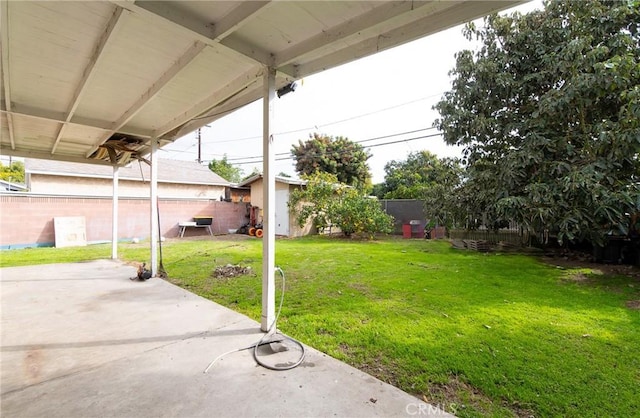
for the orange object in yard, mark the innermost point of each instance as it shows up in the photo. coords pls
(259, 233)
(252, 231)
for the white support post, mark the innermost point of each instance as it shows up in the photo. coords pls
(269, 202)
(114, 215)
(153, 204)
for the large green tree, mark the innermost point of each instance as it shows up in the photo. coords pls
(339, 156)
(226, 170)
(548, 112)
(418, 175)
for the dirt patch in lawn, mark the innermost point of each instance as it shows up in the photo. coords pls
(230, 271)
(361, 288)
(458, 396)
(595, 268)
(633, 304)
(578, 277)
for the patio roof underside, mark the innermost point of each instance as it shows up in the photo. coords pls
(95, 81)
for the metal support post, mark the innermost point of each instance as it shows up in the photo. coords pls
(153, 204)
(269, 202)
(114, 215)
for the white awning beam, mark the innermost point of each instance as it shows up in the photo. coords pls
(4, 66)
(232, 88)
(20, 110)
(235, 19)
(114, 23)
(350, 27)
(173, 71)
(448, 15)
(214, 34)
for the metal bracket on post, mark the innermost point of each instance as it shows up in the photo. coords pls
(269, 202)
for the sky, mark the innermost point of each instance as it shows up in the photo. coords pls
(388, 96)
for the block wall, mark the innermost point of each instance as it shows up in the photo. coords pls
(27, 220)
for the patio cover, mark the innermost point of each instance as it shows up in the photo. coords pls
(110, 81)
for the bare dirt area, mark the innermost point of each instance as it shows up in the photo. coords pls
(458, 396)
(230, 271)
(221, 237)
(585, 272)
(633, 304)
(568, 262)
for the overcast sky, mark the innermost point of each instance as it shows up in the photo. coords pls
(389, 94)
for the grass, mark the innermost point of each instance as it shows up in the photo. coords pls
(480, 334)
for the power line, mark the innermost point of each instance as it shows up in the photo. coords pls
(357, 142)
(334, 122)
(259, 160)
(187, 150)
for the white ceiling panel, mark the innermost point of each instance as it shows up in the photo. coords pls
(206, 74)
(79, 78)
(41, 62)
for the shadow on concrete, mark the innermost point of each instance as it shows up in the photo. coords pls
(122, 349)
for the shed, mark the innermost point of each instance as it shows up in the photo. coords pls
(286, 224)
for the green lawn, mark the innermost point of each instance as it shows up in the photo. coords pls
(482, 334)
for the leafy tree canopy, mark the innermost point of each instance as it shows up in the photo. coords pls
(416, 176)
(226, 170)
(548, 110)
(13, 173)
(326, 201)
(339, 156)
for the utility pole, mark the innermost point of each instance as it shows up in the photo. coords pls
(199, 136)
(199, 160)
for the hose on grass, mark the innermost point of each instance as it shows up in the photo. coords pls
(263, 341)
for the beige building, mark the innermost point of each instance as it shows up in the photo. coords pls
(286, 224)
(176, 179)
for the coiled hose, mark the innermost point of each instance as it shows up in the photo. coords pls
(263, 341)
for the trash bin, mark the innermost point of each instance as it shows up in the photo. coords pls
(413, 229)
(417, 229)
(203, 220)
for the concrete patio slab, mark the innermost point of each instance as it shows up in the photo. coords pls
(82, 340)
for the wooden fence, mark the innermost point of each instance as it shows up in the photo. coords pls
(508, 236)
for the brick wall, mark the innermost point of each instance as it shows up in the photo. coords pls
(27, 219)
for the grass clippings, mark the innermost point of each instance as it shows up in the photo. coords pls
(229, 271)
